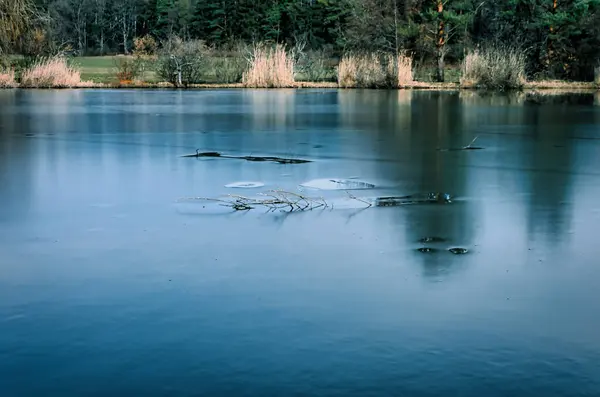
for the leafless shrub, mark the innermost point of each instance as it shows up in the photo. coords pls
(182, 63)
(229, 69)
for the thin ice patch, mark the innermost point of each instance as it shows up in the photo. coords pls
(245, 185)
(337, 184)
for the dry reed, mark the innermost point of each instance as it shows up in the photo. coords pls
(375, 71)
(270, 68)
(495, 68)
(51, 73)
(404, 64)
(7, 79)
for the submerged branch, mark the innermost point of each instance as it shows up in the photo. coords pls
(285, 201)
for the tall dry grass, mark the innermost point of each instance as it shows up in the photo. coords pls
(375, 71)
(597, 75)
(270, 68)
(404, 72)
(7, 79)
(498, 68)
(51, 73)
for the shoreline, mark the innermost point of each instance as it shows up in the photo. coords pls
(545, 86)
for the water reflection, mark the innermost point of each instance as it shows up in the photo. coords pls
(407, 129)
(271, 109)
(438, 123)
(547, 152)
(516, 132)
(16, 151)
(98, 173)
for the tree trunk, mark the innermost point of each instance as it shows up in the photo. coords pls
(550, 47)
(125, 50)
(102, 41)
(441, 65)
(80, 29)
(440, 41)
(396, 26)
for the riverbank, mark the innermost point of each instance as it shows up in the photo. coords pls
(551, 85)
(94, 72)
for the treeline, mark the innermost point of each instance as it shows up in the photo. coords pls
(560, 38)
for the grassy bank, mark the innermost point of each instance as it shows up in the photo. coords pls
(273, 68)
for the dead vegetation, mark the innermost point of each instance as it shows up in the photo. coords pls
(7, 79)
(51, 73)
(498, 68)
(270, 67)
(286, 201)
(273, 200)
(375, 71)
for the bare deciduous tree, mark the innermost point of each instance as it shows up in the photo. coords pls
(15, 18)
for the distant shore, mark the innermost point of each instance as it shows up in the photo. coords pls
(549, 85)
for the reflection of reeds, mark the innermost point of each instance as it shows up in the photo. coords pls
(560, 97)
(470, 97)
(405, 97)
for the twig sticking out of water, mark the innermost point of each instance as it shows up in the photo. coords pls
(468, 147)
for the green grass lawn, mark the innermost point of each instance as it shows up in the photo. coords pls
(97, 69)
(103, 69)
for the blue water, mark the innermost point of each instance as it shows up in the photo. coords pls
(111, 284)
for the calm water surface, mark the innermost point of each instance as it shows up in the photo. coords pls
(110, 285)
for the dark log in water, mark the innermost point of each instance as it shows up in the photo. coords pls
(460, 149)
(203, 154)
(429, 198)
(279, 160)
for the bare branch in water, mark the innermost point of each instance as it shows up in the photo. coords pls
(353, 197)
(273, 200)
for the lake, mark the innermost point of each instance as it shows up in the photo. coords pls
(119, 275)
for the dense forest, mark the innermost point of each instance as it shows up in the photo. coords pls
(561, 38)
